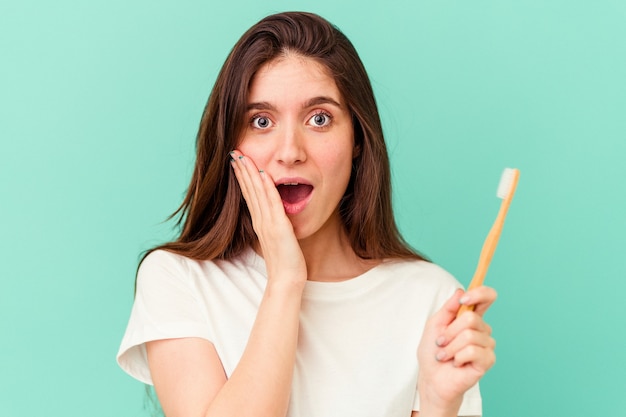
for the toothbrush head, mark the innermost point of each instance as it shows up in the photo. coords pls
(508, 182)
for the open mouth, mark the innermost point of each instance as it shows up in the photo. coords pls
(293, 192)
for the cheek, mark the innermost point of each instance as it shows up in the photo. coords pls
(339, 166)
(341, 156)
(258, 154)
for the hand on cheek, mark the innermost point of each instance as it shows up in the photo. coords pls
(273, 228)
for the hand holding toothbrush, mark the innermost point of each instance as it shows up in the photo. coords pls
(455, 352)
(457, 348)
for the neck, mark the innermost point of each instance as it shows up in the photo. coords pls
(329, 255)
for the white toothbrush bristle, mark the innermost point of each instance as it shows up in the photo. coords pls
(506, 181)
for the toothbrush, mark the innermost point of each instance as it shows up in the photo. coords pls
(506, 189)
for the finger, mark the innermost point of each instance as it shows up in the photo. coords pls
(481, 298)
(468, 321)
(479, 358)
(258, 183)
(264, 202)
(447, 312)
(464, 339)
(263, 189)
(238, 170)
(273, 197)
(251, 186)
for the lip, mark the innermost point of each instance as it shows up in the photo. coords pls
(292, 180)
(295, 208)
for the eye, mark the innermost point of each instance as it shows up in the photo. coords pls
(320, 119)
(260, 122)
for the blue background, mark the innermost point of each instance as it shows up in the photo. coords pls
(99, 106)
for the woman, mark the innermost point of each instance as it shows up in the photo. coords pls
(290, 291)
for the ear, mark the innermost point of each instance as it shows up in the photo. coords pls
(356, 151)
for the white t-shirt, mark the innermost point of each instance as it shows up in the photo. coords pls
(358, 339)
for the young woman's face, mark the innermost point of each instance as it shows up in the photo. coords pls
(299, 130)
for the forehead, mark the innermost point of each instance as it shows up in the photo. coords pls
(292, 76)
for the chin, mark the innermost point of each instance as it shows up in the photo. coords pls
(302, 230)
(302, 234)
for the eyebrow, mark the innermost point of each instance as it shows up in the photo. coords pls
(321, 100)
(260, 105)
(315, 101)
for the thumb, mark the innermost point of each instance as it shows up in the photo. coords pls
(436, 326)
(447, 313)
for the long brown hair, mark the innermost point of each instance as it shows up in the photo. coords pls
(214, 217)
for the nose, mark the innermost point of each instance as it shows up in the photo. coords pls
(290, 149)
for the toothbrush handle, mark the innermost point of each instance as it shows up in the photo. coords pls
(489, 247)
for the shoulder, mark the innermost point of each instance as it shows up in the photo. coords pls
(161, 273)
(161, 262)
(417, 270)
(161, 257)
(162, 265)
(422, 281)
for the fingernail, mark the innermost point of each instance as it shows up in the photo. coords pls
(262, 173)
(464, 300)
(232, 152)
(441, 355)
(440, 341)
